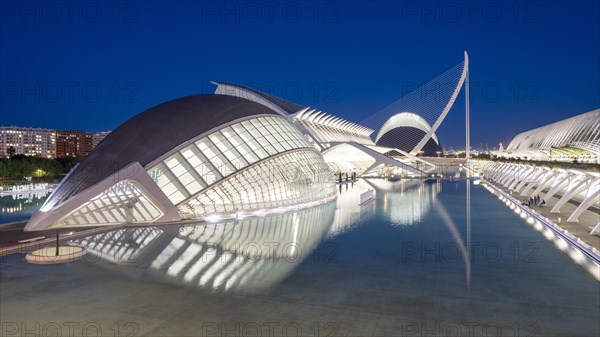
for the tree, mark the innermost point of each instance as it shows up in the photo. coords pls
(23, 166)
(10, 151)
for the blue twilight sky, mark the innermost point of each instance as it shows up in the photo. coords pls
(92, 65)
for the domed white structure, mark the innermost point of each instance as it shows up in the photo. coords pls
(201, 157)
(404, 131)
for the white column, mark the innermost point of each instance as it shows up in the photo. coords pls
(467, 108)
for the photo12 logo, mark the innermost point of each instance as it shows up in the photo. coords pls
(68, 329)
(70, 12)
(269, 12)
(475, 252)
(69, 92)
(314, 329)
(469, 329)
(469, 12)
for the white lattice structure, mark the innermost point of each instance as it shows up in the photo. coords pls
(429, 105)
(122, 202)
(328, 129)
(330, 135)
(577, 137)
(567, 185)
(319, 127)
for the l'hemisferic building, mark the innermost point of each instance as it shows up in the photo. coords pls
(232, 154)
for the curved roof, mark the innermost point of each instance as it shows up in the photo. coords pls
(286, 106)
(406, 138)
(405, 119)
(153, 133)
(583, 129)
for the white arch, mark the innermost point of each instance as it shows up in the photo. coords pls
(405, 119)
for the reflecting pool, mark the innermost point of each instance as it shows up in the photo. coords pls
(19, 207)
(423, 258)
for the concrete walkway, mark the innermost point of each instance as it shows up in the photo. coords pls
(587, 220)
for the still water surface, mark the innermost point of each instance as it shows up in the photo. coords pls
(20, 207)
(409, 263)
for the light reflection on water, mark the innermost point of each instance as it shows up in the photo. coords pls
(246, 255)
(406, 201)
(253, 254)
(17, 207)
(412, 256)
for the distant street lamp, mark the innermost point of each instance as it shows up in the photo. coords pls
(39, 173)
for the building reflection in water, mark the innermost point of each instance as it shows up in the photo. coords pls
(246, 255)
(406, 202)
(253, 254)
(21, 204)
(349, 212)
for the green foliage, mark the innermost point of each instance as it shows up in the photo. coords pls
(68, 163)
(481, 155)
(550, 164)
(19, 166)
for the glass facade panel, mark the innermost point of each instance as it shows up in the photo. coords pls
(167, 182)
(277, 182)
(201, 165)
(221, 154)
(228, 150)
(184, 172)
(215, 156)
(242, 148)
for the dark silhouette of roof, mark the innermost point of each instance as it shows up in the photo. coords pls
(406, 138)
(152, 133)
(287, 106)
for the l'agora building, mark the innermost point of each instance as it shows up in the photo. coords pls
(46, 143)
